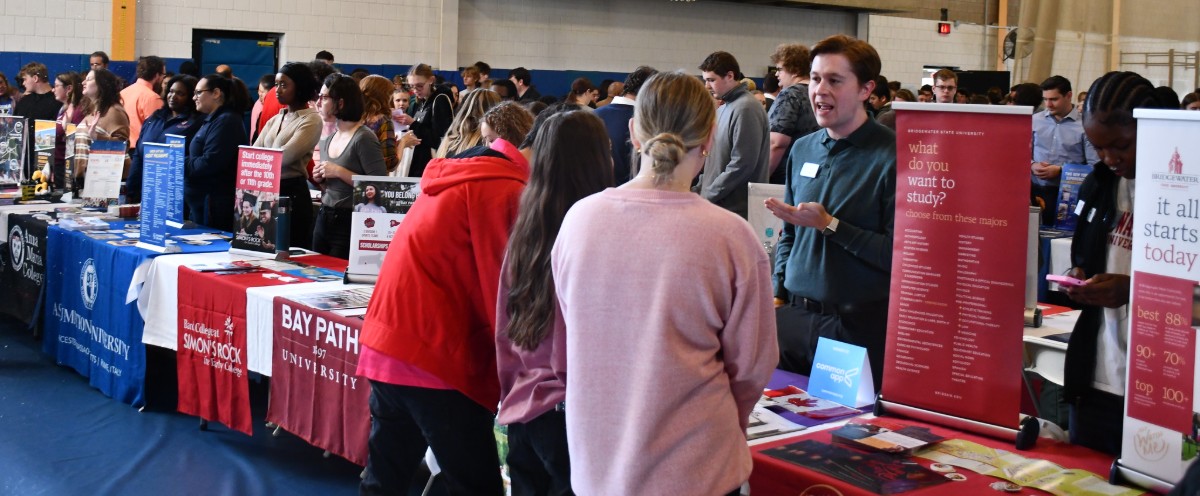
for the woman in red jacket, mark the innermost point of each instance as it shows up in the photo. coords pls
(428, 337)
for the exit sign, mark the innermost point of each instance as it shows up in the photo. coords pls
(943, 28)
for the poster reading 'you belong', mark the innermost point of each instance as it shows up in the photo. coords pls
(380, 204)
(1161, 424)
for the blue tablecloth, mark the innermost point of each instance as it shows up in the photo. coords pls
(88, 324)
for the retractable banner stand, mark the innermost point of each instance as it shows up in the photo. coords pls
(956, 312)
(155, 199)
(258, 182)
(1160, 434)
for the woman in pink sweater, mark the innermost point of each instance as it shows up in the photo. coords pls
(666, 300)
(571, 159)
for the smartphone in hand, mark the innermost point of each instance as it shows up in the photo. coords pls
(1065, 280)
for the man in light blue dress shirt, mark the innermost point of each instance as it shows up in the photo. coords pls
(1057, 139)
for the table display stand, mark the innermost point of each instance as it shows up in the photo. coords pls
(1023, 437)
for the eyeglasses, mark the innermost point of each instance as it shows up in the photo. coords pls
(946, 88)
(321, 98)
(419, 85)
(198, 92)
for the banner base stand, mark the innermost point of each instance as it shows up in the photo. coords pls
(1122, 473)
(350, 278)
(1024, 437)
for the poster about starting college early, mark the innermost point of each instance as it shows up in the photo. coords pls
(258, 182)
(1161, 424)
(380, 204)
(956, 312)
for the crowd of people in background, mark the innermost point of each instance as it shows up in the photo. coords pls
(533, 259)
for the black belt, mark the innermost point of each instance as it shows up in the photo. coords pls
(815, 306)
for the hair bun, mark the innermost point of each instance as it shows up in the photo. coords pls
(666, 149)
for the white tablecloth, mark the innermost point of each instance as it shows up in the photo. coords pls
(260, 313)
(22, 209)
(1047, 357)
(158, 302)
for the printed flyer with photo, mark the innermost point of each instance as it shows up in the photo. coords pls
(257, 190)
(380, 204)
(13, 132)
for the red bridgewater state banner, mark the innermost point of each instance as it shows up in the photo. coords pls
(315, 392)
(956, 313)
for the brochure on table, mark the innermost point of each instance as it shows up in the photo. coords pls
(380, 204)
(956, 312)
(13, 131)
(1160, 391)
(157, 171)
(102, 179)
(257, 190)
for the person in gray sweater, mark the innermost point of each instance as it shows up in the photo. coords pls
(741, 146)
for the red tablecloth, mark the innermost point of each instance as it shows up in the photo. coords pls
(213, 382)
(772, 476)
(315, 393)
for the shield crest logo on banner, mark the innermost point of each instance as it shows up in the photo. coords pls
(89, 286)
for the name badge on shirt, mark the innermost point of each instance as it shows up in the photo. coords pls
(809, 169)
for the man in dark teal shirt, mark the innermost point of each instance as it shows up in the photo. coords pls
(833, 263)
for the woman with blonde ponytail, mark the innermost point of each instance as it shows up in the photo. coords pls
(666, 301)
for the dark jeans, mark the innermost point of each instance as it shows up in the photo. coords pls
(302, 211)
(1097, 421)
(799, 330)
(214, 210)
(331, 236)
(537, 456)
(405, 420)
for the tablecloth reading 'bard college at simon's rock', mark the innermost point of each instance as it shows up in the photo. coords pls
(211, 348)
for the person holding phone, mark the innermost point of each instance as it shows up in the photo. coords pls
(1101, 256)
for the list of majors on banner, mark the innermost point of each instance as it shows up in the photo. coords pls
(1161, 423)
(174, 190)
(157, 160)
(956, 312)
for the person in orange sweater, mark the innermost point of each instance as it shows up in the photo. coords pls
(428, 336)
